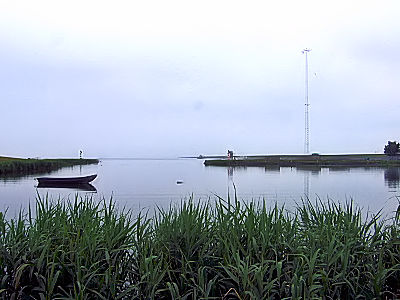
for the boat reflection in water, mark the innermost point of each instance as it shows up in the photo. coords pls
(87, 187)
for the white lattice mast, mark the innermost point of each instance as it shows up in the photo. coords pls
(306, 108)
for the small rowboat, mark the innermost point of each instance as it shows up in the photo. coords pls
(66, 180)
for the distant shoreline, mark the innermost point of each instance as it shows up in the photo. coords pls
(141, 158)
(348, 160)
(11, 166)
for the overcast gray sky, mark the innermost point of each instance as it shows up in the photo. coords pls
(171, 78)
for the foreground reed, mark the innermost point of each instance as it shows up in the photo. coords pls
(86, 249)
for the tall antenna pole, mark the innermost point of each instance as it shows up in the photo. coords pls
(306, 108)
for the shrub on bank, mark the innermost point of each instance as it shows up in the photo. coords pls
(85, 249)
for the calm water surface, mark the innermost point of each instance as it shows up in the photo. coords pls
(141, 184)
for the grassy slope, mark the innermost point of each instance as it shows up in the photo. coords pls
(304, 160)
(21, 166)
(6, 158)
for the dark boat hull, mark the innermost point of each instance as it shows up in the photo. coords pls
(66, 180)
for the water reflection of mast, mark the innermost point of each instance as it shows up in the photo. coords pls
(230, 178)
(307, 185)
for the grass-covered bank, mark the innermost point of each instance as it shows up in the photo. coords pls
(21, 166)
(346, 160)
(88, 250)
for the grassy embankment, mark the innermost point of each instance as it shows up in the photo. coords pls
(22, 166)
(88, 250)
(348, 160)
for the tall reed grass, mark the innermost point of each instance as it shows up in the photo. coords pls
(222, 249)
